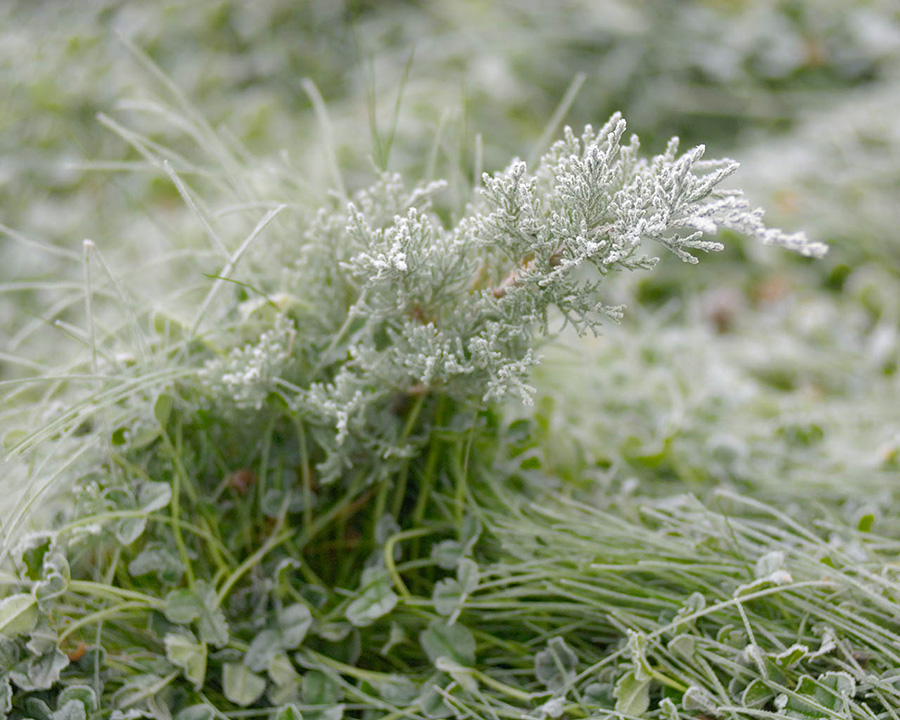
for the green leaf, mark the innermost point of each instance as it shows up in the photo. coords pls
(320, 689)
(376, 600)
(448, 553)
(140, 437)
(38, 709)
(599, 693)
(865, 523)
(732, 637)
(460, 674)
(468, 576)
(212, 625)
(449, 595)
(5, 695)
(397, 636)
(41, 672)
(137, 689)
(182, 607)
(183, 650)
(756, 694)
(162, 409)
(682, 645)
(284, 569)
(275, 500)
(71, 710)
(553, 708)
(396, 689)
(692, 605)
(154, 496)
(294, 621)
(766, 665)
(185, 606)
(158, 560)
(285, 678)
(83, 694)
(130, 529)
(821, 697)
(240, 685)
(18, 614)
(334, 631)
(201, 711)
(384, 529)
(632, 695)
(452, 641)
(667, 709)
(637, 648)
(9, 652)
(281, 670)
(265, 646)
(43, 639)
(56, 576)
(432, 702)
(697, 699)
(288, 712)
(555, 666)
(794, 654)
(31, 551)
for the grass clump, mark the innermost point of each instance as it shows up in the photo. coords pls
(308, 498)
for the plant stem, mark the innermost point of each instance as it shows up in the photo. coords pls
(426, 482)
(389, 555)
(99, 616)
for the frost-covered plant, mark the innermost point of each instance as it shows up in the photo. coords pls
(407, 306)
(309, 520)
(248, 374)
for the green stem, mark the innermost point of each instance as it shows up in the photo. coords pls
(508, 690)
(273, 541)
(99, 616)
(150, 691)
(315, 527)
(87, 587)
(355, 672)
(427, 481)
(264, 462)
(305, 474)
(666, 680)
(400, 491)
(380, 502)
(220, 554)
(400, 488)
(175, 509)
(389, 556)
(462, 478)
(397, 714)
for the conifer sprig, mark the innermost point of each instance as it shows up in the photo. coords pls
(404, 305)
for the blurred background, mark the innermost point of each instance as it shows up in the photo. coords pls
(757, 364)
